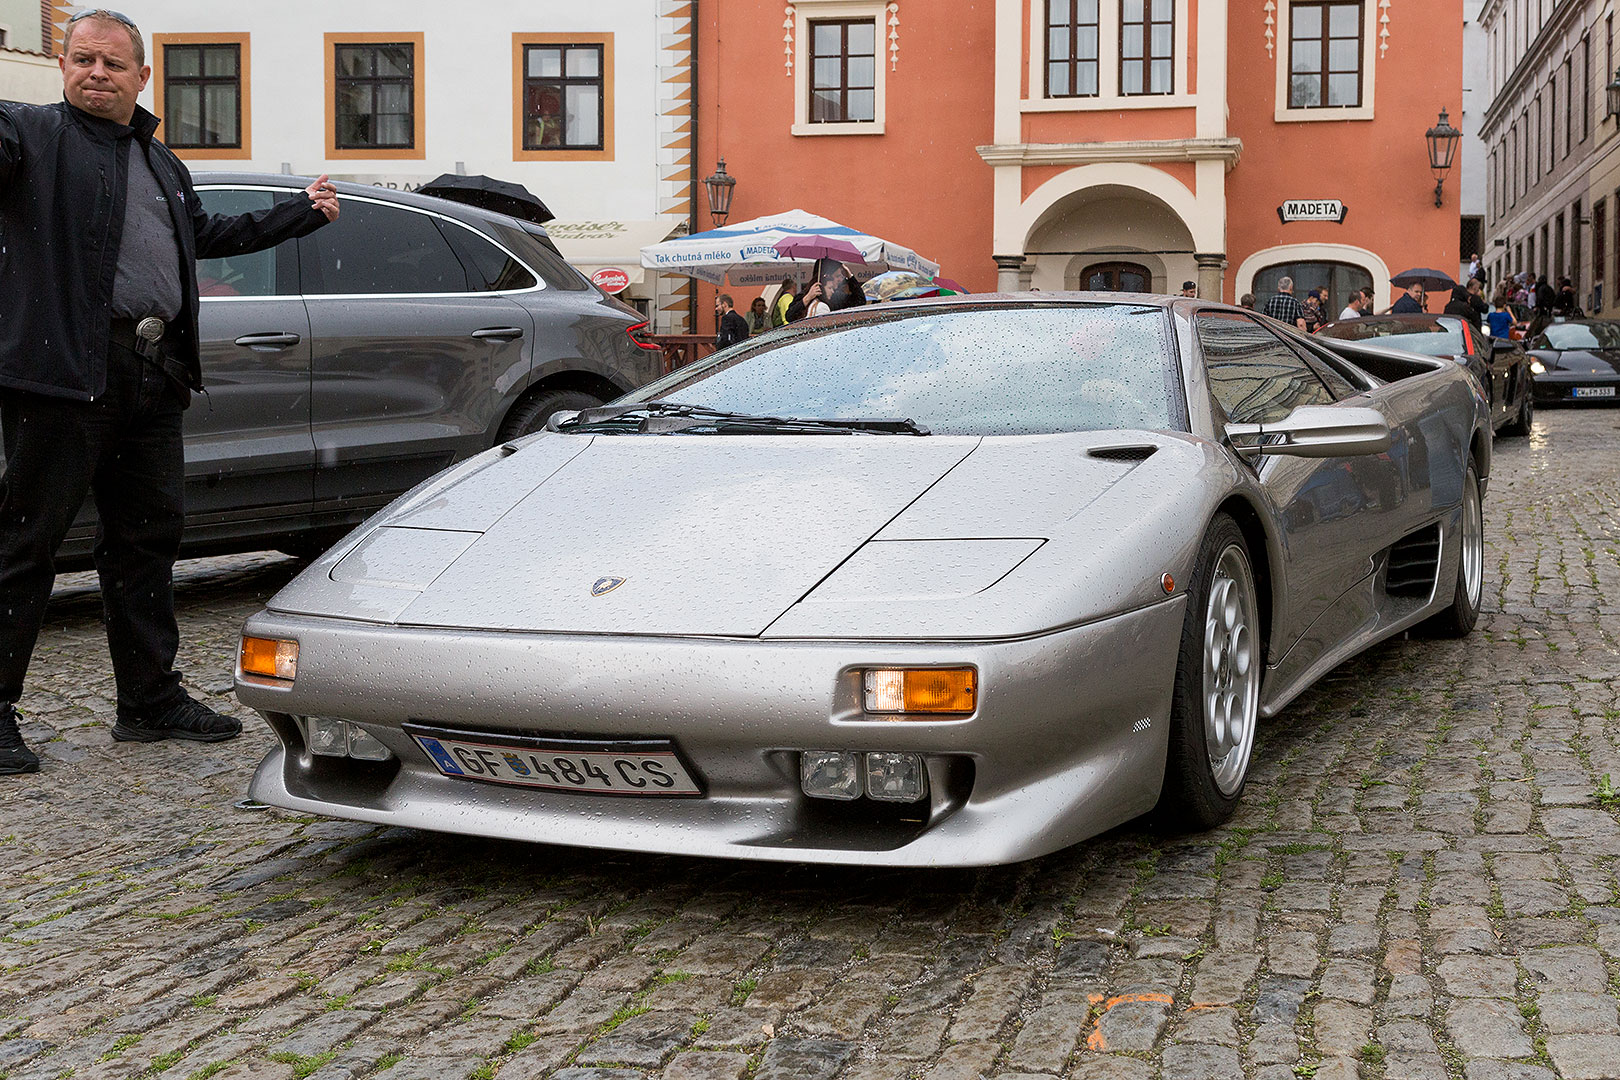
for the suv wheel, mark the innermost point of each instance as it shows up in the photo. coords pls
(530, 415)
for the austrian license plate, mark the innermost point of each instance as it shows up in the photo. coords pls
(636, 767)
(1592, 391)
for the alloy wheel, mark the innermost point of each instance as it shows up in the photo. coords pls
(1473, 542)
(1231, 670)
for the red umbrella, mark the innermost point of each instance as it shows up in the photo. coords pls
(818, 247)
(947, 283)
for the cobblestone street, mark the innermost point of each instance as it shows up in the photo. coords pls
(1422, 883)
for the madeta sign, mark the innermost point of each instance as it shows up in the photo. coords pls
(1312, 210)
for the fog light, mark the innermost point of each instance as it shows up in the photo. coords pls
(921, 690)
(328, 738)
(895, 777)
(269, 658)
(364, 747)
(830, 774)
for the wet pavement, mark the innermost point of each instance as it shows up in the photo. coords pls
(1421, 883)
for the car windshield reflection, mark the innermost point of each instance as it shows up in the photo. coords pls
(1592, 335)
(1431, 337)
(989, 370)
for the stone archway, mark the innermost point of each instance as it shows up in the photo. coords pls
(1105, 224)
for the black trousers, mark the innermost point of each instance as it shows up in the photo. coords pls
(125, 449)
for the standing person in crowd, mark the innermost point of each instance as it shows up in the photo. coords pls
(759, 320)
(1314, 317)
(1474, 269)
(98, 361)
(1412, 303)
(1567, 303)
(784, 300)
(1246, 301)
(800, 308)
(1461, 306)
(1500, 319)
(1544, 300)
(1352, 307)
(1189, 290)
(732, 326)
(1284, 307)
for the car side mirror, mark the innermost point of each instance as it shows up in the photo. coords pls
(1316, 431)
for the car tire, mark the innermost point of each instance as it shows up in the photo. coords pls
(1520, 425)
(1215, 702)
(530, 415)
(1458, 620)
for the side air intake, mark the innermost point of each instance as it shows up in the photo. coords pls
(1123, 453)
(1413, 564)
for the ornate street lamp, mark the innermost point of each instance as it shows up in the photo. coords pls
(1612, 91)
(1443, 140)
(720, 187)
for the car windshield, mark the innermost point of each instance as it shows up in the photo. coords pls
(990, 370)
(1431, 337)
(1587, 335)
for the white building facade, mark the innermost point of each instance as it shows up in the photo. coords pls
(28, 72)
(586, 105)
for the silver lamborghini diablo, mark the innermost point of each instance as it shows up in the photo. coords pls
(936, 583)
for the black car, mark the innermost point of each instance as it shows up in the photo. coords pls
(1501, 366)
(345, 367)
(1577, 360)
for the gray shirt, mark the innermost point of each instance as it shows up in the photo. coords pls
(147, 281)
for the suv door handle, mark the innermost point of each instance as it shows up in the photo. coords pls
(270, 341)
(499, 333)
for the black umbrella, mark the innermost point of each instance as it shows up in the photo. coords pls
(1422, 275)
(501, 196)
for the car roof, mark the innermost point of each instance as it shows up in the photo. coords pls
(448, 207)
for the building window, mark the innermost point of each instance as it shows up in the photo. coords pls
(843, 71)
(1116, 277)
(376, 96)
(1325, 52)
(1569, 106)
(202, 93)
(1147, 53)
(1337, 278)
(1072, 29)
(562, 97)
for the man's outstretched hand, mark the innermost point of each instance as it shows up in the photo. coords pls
(323, 193)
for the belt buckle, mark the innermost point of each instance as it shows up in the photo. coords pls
(148, 332)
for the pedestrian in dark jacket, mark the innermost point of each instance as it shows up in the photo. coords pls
(1461, 305)
(98, 358)
(733, 327)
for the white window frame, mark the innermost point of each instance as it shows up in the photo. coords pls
(1369, 66)
(808, 11)
(1108, 98)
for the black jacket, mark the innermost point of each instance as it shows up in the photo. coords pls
(733, 328)
(63, 179)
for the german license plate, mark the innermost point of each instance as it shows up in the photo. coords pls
(1593, 391)
(635, 767)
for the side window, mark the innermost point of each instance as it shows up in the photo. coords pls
(1338, 384)
(372, 248)
(263, 273)
(489, 267)
(1254, 377)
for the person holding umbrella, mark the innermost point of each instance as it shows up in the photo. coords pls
(1411, 303)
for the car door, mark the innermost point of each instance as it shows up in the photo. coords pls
(408, 341)
(249, 451)
(1337, 513)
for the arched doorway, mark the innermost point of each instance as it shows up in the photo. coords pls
(1116, 277)
(1339, 279)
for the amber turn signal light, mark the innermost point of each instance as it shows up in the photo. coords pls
(921, 690)
(270, 658)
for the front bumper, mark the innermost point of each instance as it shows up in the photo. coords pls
(1069, 738)
(1556, 386)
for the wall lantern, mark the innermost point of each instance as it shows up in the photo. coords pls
(1612, 91)
(1442, 150)
(720, 188)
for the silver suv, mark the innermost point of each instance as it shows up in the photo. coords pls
(344, 367)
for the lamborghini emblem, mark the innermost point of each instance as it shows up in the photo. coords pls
(605, 585)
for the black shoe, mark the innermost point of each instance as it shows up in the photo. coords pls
(190, 720)
(15, 757)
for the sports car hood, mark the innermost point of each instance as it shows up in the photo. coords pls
(710, 535)
(1586, 361)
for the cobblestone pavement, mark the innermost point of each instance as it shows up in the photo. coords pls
(1421, 883)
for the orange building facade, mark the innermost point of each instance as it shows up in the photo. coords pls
(1073, 144)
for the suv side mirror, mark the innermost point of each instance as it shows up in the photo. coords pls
(1316, 431)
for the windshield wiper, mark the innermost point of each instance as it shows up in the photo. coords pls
(668, 417)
